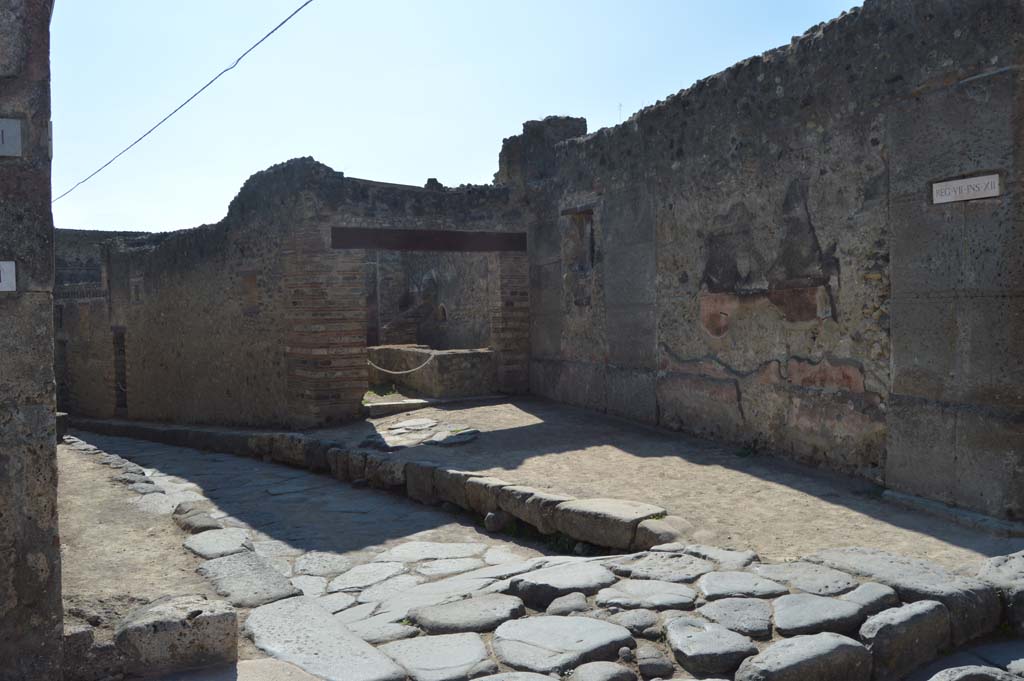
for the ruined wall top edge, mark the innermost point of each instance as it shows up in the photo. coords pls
(869, 55)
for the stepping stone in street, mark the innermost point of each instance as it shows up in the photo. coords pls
(548, 644)
(709, 648)
(246, 579)
(665, 567)
(299, 631)
(809, 577)
(445, 567)
(218, 543)
(748, 616)
(479, 614)
(647, 593)
(542, 586)
(321, 564)
(413, 551)
(450, 657)
(809, 614)
(362, 576)
(738, 585)
(822, 657)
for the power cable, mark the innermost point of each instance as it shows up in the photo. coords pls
(183, 104)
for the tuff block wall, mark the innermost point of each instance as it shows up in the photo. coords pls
(30, 603)
(757, 258)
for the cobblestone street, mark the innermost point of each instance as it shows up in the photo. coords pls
(339, 582)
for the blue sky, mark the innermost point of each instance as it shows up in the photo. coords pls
(385, 90)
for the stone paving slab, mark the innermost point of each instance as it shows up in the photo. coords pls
(555, 644)
(247, 580)
(299, 631)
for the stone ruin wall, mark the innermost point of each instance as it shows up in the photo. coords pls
(757, 257)
(257, 320)
(30, 604)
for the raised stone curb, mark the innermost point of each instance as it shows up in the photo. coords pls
(612, 523)
(822, 657)
(901, 639)
(175, 633)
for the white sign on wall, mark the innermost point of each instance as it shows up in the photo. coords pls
(10, 137)
(981, 187)
(8, 280)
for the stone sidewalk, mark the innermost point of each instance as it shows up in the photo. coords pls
(726, 496)
(299, 556)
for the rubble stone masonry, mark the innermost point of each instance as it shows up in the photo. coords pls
(30, 602)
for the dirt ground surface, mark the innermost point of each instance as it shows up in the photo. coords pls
(779, 509)
(116, 556)
(113, 557)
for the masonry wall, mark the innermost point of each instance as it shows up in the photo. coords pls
(756, 258)
(30, 602)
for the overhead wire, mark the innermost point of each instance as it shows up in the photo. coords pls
(183, 104)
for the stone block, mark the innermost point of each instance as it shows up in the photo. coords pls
(912, 125)
(384, 471)
(356, 465)
(176, 633)
(658, 531)
(921, 448)
(987, 475)
(531, 505)
(482, 493)
(450, 486)
(603, 522)
(337, 463)
(924, 346)
(974, 606)
(419, 482)
(822, 657)
(299, 631)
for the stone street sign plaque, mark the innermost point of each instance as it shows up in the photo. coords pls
(8, 282)
(981, 187)
(10, 137)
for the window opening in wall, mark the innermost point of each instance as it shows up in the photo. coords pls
(442, 313)
(58, 314)
(120, 371)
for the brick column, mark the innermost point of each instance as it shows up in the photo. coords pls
(325, 346)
